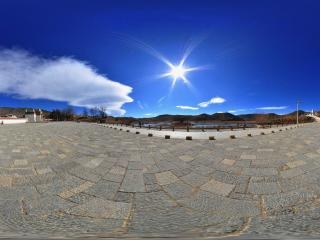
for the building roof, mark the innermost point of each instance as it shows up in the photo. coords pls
(33, 111)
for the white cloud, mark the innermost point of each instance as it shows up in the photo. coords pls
(204, 104)
(273, 108)
(60, 79)
(149, 114)
(215, 100)
(236, 110)
(187, 107)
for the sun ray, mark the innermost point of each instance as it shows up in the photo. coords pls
(163, 75)
(145, 47)
(185, 80)
(199, 68)
(189, 49)
(173, 83)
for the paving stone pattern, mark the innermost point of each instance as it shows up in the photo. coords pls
(87, 180)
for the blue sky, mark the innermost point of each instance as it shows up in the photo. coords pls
(260, 56)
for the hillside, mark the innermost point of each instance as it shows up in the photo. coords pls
(255, 117)
(260, 116)
(19, 112)
(179, 118)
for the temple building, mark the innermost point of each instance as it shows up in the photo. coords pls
(33, 115)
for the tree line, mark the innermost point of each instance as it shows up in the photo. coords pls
(68, 114)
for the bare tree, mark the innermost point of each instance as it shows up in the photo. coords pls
(93, 112)
(85, 113)
(102, 112)
(69, 113)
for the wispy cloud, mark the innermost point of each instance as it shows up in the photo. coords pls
(161, 99)
(215, 100)
(273, 108)
(150, 114)
(66, 79)
(187, 107)
(237, 110)
(140, 105)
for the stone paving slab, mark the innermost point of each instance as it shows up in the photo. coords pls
(229, 162)
(133, 181)
(217, 187)
(98, 208)
(5, 181)
(93, 163)
(295, 163)
(264, 188)
(165, 178)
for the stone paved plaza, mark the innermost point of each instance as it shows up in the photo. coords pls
(78, 179)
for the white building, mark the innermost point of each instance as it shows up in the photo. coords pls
(33, 115)
(39, 115)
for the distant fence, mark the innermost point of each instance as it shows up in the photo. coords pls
(221, 126)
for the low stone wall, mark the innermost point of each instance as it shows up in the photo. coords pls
(13, 120)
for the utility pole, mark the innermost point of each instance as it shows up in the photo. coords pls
(298, 102)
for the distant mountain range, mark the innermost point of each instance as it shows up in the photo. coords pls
(196, 118)
(255, 117)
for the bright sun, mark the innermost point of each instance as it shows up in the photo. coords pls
(178, 72)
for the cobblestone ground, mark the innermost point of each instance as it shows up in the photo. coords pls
(77, 179)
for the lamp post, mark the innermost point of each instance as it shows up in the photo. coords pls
(298, 102)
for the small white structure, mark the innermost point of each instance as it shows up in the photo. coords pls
(33, 115)
(12, 119)
(39, 115)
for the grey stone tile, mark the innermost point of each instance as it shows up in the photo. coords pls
(133, 182)
(263, 188)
